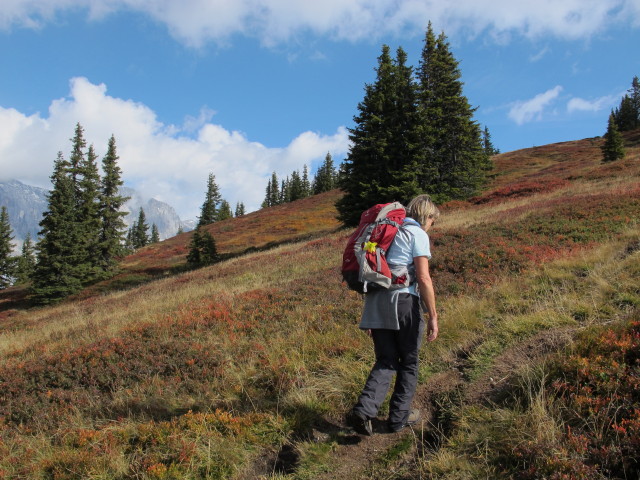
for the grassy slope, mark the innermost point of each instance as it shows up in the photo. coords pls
(248, 365)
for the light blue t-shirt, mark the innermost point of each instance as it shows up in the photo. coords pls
(411, 241)
(381, 306)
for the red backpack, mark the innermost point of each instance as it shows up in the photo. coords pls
(364, 261)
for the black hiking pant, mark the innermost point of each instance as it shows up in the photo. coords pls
(396, 352)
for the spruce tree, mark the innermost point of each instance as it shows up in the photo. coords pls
(274, 190)
(272, 196)
(266, 203)
(626, 116)
(202, 248)
(239, 209)
(285, 191)
(296, 187)
(224, 212)
(454, 161)
(634, 94)
(326, 176)
(77, 158)
(155, 235)
(613, 146)
(59, 269)
(89, 218)
(306, 183)
(209, 210)
(193, 257)
(85, 179)
(487, 145)
(7, 262)
(403, 149)
(364, 163)
(128, 242)
(26, 262)
(381, 165)
(140, 237)
(429, 110)
(112, 235)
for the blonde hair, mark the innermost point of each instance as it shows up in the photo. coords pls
(422, 208)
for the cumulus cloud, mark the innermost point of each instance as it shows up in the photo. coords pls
(577, 104)
(196, 22)
(529, 110)
(168, 162)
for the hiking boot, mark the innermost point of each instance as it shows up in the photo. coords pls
(412, 419)
(360, 423)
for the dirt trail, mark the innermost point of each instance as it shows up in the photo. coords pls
(355, 455)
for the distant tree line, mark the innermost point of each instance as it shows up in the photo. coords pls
(623, 118)
(414, 133)
(297, 186)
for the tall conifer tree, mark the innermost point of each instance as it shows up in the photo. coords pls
(364, 166)
(224, 212)
(634, 94)
(381, 164)
(58, 269)
(627, 115)
(274, 194)
(613, 146)
(239, 209)
(267, 197)
(429, 110)
(306, 183)
(403, 150)
(155, 235)
(296, 187)
(454, 161)
(7, 262)
(140, 236)
(89, 215)
(112, 236)
(487, 144)
(209, 210)
(26, 262)
(326, 176)
(77, 158)
(285, 191)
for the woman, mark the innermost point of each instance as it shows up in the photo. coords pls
(394, 320)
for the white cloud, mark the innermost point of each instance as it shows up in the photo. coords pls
(577, 104)
(526, 111)
(159, 160)
(540, 55)
(195, 22)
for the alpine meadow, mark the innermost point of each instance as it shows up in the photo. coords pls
(245, 368)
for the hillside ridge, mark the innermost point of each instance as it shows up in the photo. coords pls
(245, 369)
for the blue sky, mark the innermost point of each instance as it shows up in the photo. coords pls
(242, 88)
